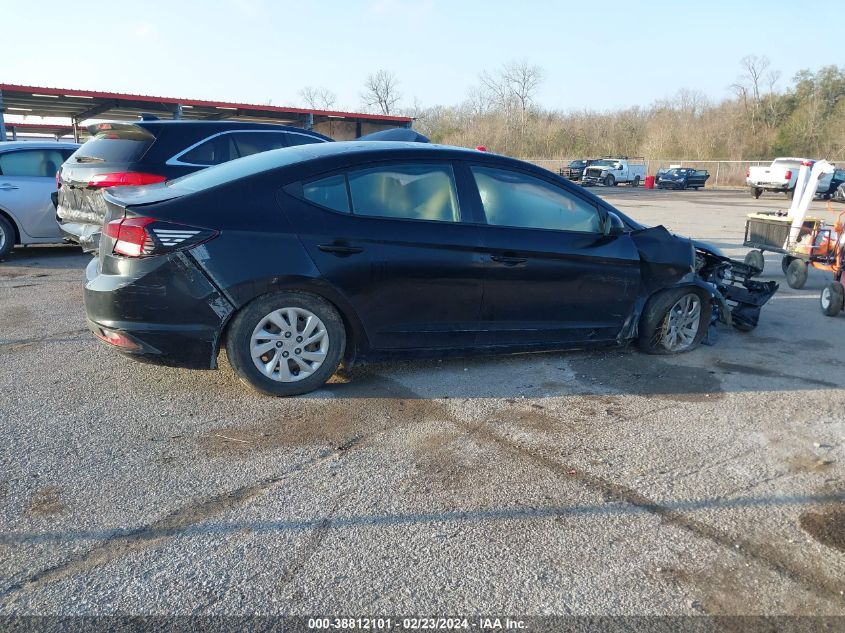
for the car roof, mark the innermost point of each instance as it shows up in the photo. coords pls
(373, 150)
(10, 145)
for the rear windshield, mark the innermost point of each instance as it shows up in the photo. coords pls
(115, 143)
(240, 168)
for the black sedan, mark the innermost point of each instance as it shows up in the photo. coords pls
(682, 178)
(301, 258)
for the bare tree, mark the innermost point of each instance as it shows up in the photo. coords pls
(381, 92)
(515, 84)
(318, 98)
(749, 84)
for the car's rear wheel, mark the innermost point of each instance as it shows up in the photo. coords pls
(785, 262)
(636, 182)
(675, 321)
(756, 192)
(796, 274)
(832, 298)
(287, 343)
(7, 237)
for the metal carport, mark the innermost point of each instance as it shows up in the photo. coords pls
(80, 105)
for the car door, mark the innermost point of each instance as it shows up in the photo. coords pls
(27, 180)
(551, 275)
(392, 239)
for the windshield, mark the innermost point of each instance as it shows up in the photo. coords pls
(604, 163)
(577, 163)
(678, 172)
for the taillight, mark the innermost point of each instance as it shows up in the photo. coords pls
(748, 173)
(788, 174)
(125, 179)
(148, 237)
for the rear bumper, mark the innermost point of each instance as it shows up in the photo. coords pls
(86, 235)
(161, 310)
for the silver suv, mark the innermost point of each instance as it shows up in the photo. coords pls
(27, 182)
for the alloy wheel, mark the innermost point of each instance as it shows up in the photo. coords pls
(681, 323)
(289, 344)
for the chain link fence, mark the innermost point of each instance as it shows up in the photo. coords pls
(723, 173)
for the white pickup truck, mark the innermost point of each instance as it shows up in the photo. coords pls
(611, 171)
(781, 176)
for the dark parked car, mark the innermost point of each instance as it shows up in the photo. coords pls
(150, 151)
(575, 170)
(299, 258)
(682, 178)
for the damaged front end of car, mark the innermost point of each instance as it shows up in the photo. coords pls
(738, 296)
(671, 261)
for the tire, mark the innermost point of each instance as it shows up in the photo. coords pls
(696, 188)
(662, 308)
(755, 260)
(796, 274)
(7, 237)
(277, 319)
(785, 262)
(756, 192)
(609, 181)
(636, 182)
(832, 298)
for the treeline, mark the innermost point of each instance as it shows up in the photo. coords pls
(757, 121)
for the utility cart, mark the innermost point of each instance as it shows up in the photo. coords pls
(803, 241)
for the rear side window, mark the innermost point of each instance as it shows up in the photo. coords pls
(515, 199)
(117, 143)
(303, 139)
(328, 192)
(219, 149)
(254, 142)
(34, 163)
(415, 192)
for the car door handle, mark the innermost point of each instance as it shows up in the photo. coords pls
(339, 249)
(7, 186)
(508, 261)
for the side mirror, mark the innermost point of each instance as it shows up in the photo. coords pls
(613, 225)
(619, 168)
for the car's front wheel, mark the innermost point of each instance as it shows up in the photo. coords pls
(609, 181)
(286, 343)
(7, 237)
(675, 321)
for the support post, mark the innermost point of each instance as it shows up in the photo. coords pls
(309, 121)
(2, 120)
(75, 124)
(14, 133)
(177, 112)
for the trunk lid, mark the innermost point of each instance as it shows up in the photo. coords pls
(113, 148)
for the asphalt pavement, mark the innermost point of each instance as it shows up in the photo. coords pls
(602, 483)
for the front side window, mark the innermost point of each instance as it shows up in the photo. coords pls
(35, 163)
(414, 192)
(328, 192)
(515, 199)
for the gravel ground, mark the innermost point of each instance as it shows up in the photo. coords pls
(597, 483)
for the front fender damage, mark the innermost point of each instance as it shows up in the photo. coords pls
(671, 261)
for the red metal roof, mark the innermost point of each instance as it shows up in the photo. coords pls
(91, 94)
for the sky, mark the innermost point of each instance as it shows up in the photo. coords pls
(598, 55)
